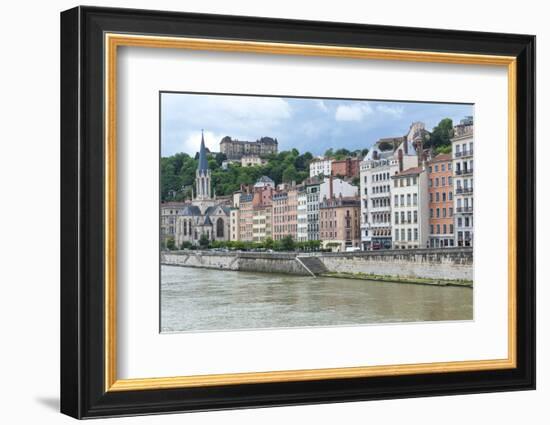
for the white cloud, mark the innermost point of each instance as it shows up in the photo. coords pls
(353, 112)
(191, 141)
(321, 105)
(393, 111)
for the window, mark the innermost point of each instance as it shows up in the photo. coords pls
(408, 181)
(443, 196)
(451, 228)
(408, 216)
(396, 234)
(431, 212)
(450, 196)
(442, 167)
(431, 197)
(415, 234)
(414, 180)
(437, 212)
(466, 222)
(430, 169)
(437, 197)
(443, 181)
(432, 229)
(402, 234)
(415, 199)
(459, 222)
(444, 212)
(402, 216)
(396, 218)
(408, 199)
(444, 229)
(409, 234)
(438, 229)
(450, 211)
(415, 216)
(402, 200)
(437, 182)
(430, 183)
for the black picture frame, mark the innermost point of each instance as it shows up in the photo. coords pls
(83, 392)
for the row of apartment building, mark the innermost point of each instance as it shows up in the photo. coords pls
(409, 200)
(406, 199)
(324, 209)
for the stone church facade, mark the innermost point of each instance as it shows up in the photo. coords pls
(204, 215)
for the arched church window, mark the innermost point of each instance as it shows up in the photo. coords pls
(219, 228)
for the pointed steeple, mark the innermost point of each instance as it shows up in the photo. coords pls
(203, 162)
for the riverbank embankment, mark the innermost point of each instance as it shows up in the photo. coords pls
(452, 266)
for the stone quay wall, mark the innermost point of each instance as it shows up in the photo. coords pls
(243, 261)
(450, 263)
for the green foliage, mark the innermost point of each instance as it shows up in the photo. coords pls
(203, 241)
(287, 243)
(186, 245)
(443, 149)
(178, 173)
(170, 244)
(441, 134)
(356, 181)
(385, 146)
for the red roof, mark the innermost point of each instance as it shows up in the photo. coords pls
(410, 171)
(442, 157)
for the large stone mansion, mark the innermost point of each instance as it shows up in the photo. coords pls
(236, 149)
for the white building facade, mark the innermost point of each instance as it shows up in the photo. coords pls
(463, 178)
(376, 191)
(410, 211)
(302, 235)
(320, 166)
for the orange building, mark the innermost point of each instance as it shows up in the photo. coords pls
(285, 214)
(339, 223)
(348, 167)
(440, 189)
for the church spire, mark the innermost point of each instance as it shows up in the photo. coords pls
(203, 162)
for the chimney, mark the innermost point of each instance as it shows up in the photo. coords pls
(330, 187)
(406, 147)
(400, 159)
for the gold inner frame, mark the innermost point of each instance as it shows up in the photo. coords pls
(113, 41)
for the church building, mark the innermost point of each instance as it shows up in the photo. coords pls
(204, 215)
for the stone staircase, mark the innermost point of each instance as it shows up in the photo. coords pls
(313, 264)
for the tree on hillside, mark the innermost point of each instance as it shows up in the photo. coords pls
(441, 134)
(289, 174)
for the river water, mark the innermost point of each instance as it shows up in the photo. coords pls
(203, 299)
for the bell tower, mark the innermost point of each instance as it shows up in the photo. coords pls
(202, 179)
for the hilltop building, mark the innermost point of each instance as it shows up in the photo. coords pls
(237, 149)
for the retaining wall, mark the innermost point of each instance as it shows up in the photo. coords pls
(451, 263)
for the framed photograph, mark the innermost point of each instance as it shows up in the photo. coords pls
(261, 212)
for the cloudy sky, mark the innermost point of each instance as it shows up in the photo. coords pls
(312, 125)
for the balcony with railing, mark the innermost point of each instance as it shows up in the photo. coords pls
(464, 154)
(465, 172)
(465, 210)
(464, 190)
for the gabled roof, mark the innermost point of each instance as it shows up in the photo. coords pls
(191, 210)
